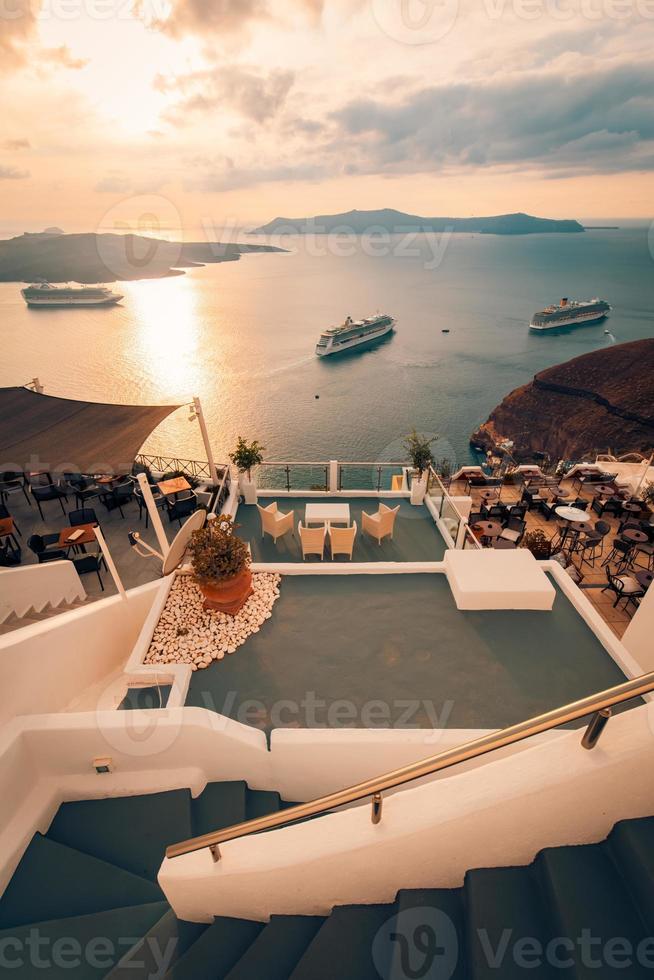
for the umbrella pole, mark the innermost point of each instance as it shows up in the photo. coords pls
(199, 414)
(113, 571)
(153, 511)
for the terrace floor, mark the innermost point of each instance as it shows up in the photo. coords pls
(132, 569)
(393, 651)
(415, 537)
(594, 577)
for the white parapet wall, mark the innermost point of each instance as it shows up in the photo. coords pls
(37, 586)
(498, 814)
(43, 667)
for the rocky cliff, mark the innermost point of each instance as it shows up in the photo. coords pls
(597, 402)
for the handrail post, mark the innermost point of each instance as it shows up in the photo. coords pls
(377, 803)
(288, 478)
(596, 726)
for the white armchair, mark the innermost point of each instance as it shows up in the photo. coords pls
(274, 522)
(312, 540)
(381, 524)
(341, 540)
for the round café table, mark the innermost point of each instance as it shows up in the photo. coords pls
(572, 514)
(561, 494)
(488, 529)
(634, 536)
(645, 579)
(489, 494)
(631, 508)
(603, 491)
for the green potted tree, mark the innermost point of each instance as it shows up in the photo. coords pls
(221, 565)
(419, 449)
(245, 457)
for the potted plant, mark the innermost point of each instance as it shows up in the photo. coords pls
(221, 564)
(538, 543)
(245, 456)
(419, 449)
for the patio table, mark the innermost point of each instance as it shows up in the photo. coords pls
(171, 487)
(645, 579)
(604, 491)
(632, 508)
(634, 536)
(87, 536)
(488, 529)
(573, 514)
(327, 514)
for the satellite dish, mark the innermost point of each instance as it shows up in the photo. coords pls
(181, 540)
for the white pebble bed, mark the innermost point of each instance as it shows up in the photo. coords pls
(188, 634)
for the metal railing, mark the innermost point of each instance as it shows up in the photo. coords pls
(448, 510)
(371, 475)
(167, 464)
(598, 705)
(293, 475)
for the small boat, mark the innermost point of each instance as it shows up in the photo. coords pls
(445, 330)
(43, 294)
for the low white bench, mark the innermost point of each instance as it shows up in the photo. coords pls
(490, 579)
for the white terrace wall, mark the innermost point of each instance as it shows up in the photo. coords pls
(499, 814)
(44, 666)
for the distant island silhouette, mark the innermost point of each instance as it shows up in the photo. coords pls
(390, 220)
(92, 258)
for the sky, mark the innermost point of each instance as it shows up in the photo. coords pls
(219, 114)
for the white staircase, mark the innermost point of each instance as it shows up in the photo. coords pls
(35, 592)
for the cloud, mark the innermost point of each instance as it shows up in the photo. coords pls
(114, 183)
(16, 144)
(230, 18)
(17, 29)
(13, 173)
(255, 96)
(61, 56)
(602, 122)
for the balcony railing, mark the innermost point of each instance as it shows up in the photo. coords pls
(292, 475)
(370, 476)
(197, 469)
(450, 514)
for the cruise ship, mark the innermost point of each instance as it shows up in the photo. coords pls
(570, 313)
(413, 753)
(44, 294)
(354, 333)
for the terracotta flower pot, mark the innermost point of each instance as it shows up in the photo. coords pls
(230, 595)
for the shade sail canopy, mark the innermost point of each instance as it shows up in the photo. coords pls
(55, 434)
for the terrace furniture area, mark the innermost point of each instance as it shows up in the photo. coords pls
(608, 529)
(404, 533)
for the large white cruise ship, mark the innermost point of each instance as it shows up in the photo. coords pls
(569, 313)
(354, 333)
(43, 294)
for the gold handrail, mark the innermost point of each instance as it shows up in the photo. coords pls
(593, 704)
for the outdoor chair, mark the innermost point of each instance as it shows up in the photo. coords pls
(84, 564)
(619, 553)
(312, 540)
(10, 556)
(83, 488)
(49, 492)
(624, 587)
(589, 548)
(41, 545)
(514, 530)
(381, 524)
(159, 498)
(341, 540)
(120, 495)
(13, 481)
(85, 515)
(517, 510)
(4, 514)
(184, 506)
(274, 522)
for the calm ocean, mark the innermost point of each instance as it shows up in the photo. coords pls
(242, 335)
